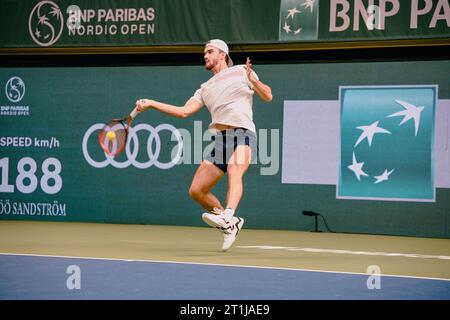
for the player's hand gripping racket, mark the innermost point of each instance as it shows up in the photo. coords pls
(114, 135)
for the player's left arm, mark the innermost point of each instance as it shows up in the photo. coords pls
(262, 89)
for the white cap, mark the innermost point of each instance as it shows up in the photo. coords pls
(221, 45)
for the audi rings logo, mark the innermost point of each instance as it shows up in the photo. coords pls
(131, 155)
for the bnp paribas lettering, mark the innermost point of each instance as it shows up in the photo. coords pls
(356, 14)
(117, 15)
(90, 22)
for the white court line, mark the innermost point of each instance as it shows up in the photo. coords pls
(338, 251)
(217, 264)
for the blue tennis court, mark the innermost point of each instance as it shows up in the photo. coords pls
(46, 277)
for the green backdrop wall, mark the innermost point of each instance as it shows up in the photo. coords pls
(84, 23)
(45, 175)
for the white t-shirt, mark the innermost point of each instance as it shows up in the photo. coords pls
(228, 95)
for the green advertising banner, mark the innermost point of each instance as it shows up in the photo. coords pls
(53, 168)
(374, 142)
(108, 23)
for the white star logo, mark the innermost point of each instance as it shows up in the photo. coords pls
(42, 19)
(297, 18)
(411, 112)
(15, 89)
(309, 4)
(383, 177)
(56, 12)
(45, 23)
(369, 132)
(292, 12)
(287, 27)
(356, 167)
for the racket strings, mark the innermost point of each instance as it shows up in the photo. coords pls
(114, 146)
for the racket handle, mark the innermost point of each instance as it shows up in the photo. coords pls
(134, 113)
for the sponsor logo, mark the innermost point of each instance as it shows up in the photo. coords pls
(299, 20)
(132, 149)
(15, 89)
(14, 92)
(183, 147)
(387, 142)
(46, 23)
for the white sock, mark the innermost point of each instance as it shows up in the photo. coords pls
(216, 211)
(228, 213)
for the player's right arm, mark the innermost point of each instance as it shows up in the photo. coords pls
(189, 108)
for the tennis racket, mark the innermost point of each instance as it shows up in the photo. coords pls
(114, 135)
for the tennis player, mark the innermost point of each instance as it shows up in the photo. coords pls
(228, 95)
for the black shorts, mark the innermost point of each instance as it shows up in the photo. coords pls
(225, 142)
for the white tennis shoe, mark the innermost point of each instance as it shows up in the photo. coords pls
(233, 231)
(218, 221)
(229, 226)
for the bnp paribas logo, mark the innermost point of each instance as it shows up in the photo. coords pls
(15, 93)
(15, 89)
(387, 143)
(299, 20)
(45, 23)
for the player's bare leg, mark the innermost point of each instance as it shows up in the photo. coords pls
(205, 178)
(237, 166)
